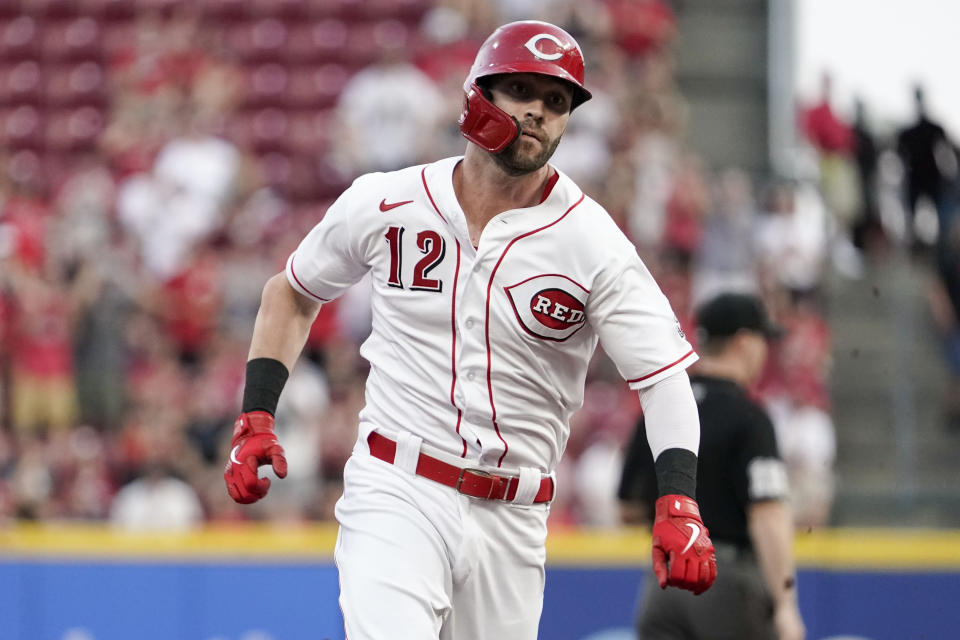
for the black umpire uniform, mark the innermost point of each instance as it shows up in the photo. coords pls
(738, 464)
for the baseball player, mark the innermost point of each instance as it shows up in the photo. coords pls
(743, 491)
(494, 277)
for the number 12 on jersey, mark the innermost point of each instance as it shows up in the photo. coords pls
(431, 245)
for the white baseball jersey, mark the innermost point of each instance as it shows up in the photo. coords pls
(482, 351)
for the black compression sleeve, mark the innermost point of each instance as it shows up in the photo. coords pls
(677, 472)
(265, 380)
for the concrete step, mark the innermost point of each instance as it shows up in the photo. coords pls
(896, 463)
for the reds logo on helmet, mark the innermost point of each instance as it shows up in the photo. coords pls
(532, 47)
(550, 307)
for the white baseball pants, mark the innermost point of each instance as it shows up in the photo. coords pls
(419, 561)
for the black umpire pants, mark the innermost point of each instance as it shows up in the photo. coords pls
(737, 606)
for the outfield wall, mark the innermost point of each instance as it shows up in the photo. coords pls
(262, 583)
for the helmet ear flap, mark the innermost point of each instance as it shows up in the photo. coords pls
(485, 124)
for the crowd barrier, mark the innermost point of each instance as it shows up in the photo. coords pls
(279, 583)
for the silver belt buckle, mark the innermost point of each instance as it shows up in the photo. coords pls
(478, 472)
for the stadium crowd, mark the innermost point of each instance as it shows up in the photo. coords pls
(161, 159)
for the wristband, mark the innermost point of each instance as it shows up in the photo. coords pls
(264, 382)
(676, 472)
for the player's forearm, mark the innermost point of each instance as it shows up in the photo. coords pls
(283, 322)
(771, 530)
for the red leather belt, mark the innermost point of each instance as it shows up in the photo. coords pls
(471, 482)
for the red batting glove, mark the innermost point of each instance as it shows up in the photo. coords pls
(682, 552)
(254, 443)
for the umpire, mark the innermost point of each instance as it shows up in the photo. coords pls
(741, 489)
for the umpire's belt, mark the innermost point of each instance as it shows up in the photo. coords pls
(471, 482)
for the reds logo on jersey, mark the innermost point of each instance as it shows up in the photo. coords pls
(550, 307)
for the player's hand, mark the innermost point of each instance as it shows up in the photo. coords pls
(254, 444)
(683, 555)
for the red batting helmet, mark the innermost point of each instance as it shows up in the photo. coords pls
(529, 46)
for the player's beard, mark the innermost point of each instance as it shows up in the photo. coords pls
(515, 161)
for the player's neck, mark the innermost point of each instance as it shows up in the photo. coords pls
(485, 190)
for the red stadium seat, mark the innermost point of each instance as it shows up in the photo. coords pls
(109, 10)
(267, 86)
(21, 83)
(74, 130)
(368, 41)
(26, 167)
(118, 36)
(19, 38)
(316, 87)
(309, 133)
(258, 41)
(275, 168)
(330, 38)
(71, 40)
(50, 8)
(76, 85)
(23, 128)
(289, 10)
(223, 11)
(269, 130)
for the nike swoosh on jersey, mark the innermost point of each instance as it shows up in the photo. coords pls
(233, 455)
(694, 534)
(393, 205)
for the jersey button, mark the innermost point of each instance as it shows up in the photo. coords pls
(471, 375)
(469, 324)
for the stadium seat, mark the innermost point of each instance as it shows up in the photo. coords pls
(269, 130)
(275, 168)
(368, 41)
(110, 10)
(23, 128)
(76, 85)
(19, 38)
(266, 86)
(316, 87)
(26, 167)
(47, 9)
(22, 83)
(309, 133)
(288, 10)
(74, 130)
(79, 38)
(258, 41)
(118, 36)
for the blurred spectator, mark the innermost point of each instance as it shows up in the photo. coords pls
(835, 143)
(181, 201)
(791, 240)
(157, 501)
(642, 27)
(44, 392)
(655, 157)
(868, 233)
(190, 303)
(943, 295)
(726, 260)
(689, 198)
(825, 130)
(929, 163)
(794, 389)
(105, 290)
(386, 110)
